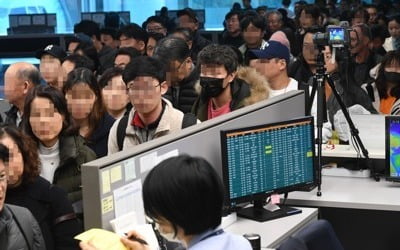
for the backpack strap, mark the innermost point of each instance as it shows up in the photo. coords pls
(23, 222)
(188, 120)
(121, 131)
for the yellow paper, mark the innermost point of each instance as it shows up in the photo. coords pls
(116, 174)
(102, 239)
(105, 177)
(107, 204)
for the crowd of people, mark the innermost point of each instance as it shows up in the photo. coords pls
(111, 89)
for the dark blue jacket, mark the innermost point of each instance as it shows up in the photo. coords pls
(99, 138)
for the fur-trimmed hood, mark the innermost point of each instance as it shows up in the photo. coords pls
(259, 86)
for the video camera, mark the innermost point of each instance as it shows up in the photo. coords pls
(335, 36)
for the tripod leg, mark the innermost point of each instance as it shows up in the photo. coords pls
(353, 129)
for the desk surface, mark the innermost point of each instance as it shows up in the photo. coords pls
(347, 151)
(274, 232)
(347, 192)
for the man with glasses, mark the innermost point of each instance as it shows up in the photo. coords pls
(155, 24)
(151, 116)
(181, 73)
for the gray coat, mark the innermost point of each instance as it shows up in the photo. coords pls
(21, 233)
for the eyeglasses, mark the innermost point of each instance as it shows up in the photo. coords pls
(143, 86)
(154, 29)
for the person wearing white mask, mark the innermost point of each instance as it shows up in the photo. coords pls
(184, 195)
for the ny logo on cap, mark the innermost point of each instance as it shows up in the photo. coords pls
(48, 47)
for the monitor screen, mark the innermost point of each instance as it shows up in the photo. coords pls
(392, 134)
(273, 158)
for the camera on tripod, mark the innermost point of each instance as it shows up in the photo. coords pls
(335, 36)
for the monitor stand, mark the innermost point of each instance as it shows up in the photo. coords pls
(258, 213)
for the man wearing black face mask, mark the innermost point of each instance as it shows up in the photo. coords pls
(385, 91)
(224, 88)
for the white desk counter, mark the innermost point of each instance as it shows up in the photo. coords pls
(346, 192)
(347, 151)
(274, 232)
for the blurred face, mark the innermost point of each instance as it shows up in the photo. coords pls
(357, 19)
(330, 67)
(80, 100)
(151, 44)
(178, 71)
(252, 36)
(357, 41)
(66, 67)
(154, 27)
(108, 40)
(274, 23)
(72, 46)
(373, 14)
(3, 184)
(217, 71)
(114, 94)
(269, 68)
(306, 20)
(45, 120)
(309, 51)
(393, 67)
(49, 69)
(166, 228)
(186, 22)
(15, 166)
(14, 87)
(394, 29)
(232, 24)
(145, 93)
(121, 61)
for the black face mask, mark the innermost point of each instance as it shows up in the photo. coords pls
(212, 86)
(393, 77)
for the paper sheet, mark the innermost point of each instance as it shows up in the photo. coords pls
(105, 180)
(147, 162)
(128, 198)
(167, 155)
(102, 239)
(130, 171)
(116, 174)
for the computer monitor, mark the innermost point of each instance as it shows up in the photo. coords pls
(263, 160)
(392, 138)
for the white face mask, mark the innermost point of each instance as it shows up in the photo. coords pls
(168, 236)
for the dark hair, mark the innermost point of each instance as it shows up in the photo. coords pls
(255, 19)
(188, 12)
(381, 82)
(88, 27)
(359, 10)
(170, 49)
(128, 51)
(154, 19)
(30, 73)
(89, 51)
(313, 10)
(286, 2)
(156, 36)
(144, 66)
(109, 31)
(276, 12)
(81, 61)
(108, 75)
(378, 31)
(187, 192)
(314, 29)
(186, 32)
(394, 18)
(134, 31)
(371, 6)
(4, 153)
(84, 75)
(28, 150)
(219, 55)
(60, 104)
(365, 30)
(232, 13)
